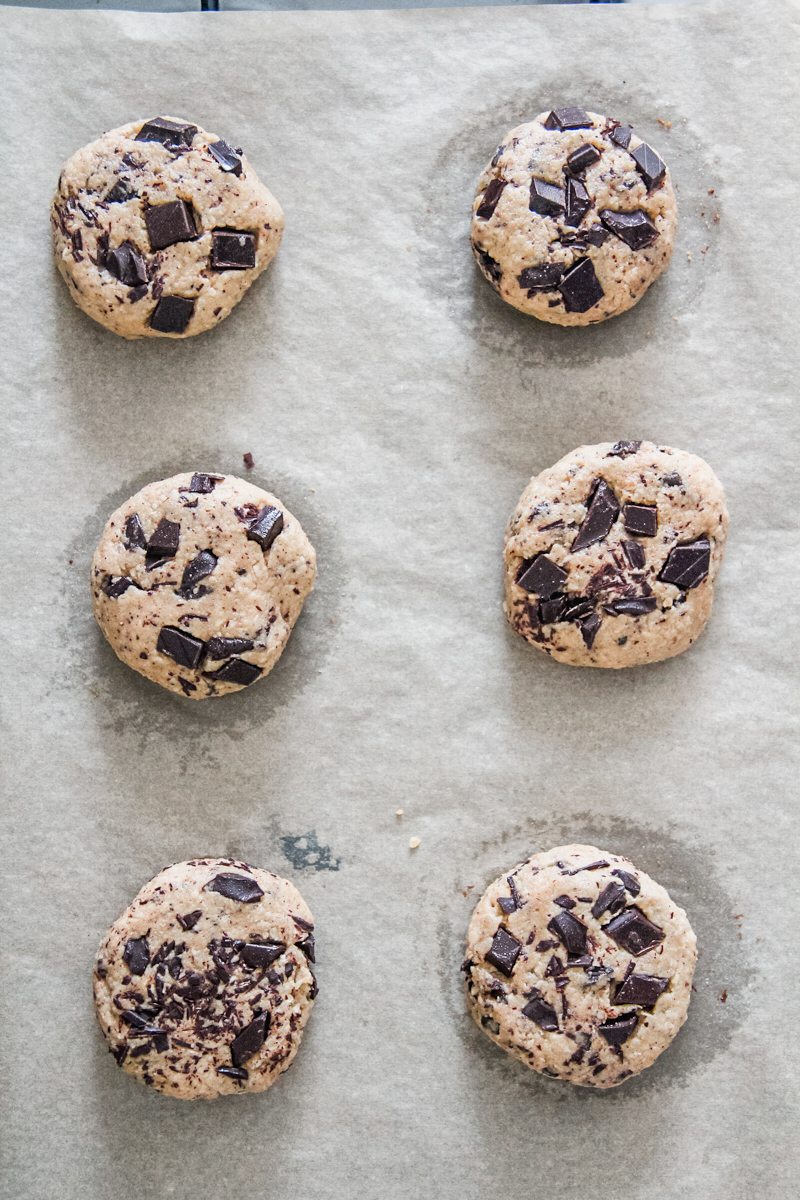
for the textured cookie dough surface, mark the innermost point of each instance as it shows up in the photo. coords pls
(160, 228)
(612, 554)
(580, 966)
(198, 580)
(203, 986)
(574, 218)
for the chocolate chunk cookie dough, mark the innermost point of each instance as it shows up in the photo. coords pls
(160, 228)
(611, 556)
(574, 218)
(204, 984)
(580, 966)
(197, 582)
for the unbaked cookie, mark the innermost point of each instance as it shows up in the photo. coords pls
(580, 965)
(203, 985)
(160, 228)
(611, 555)
(198, 580)
(574, 217)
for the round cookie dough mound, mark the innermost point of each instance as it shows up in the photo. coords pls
(580, 966)
(203, 985)
(573, 218)
(160, 228)
(611, 556)
(197, 582)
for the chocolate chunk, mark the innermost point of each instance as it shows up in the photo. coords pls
(202, 483)
(672, 479)
(650, 166)
(228, 158)
(554, 967)
(504, 951)
(597, 865)
(233, 1072)
(222, 647)
(189, 920)
(491, 269)
(545, 278)
(635, 229)
(611, 899)
(640, 989)
(511, 903)
(582, 158)
(552, 610)
(136, 955)
(621, 135)
(595, 235)
(140, 1023)
(175, 135)
(546, 198)
(568, 118)
(687, 565)
(232, 250)
(623, 449)
(589, 627)
(580, 287)
(182, 647)
(236, 670)
(235, 887)
(618, 1029)
(265, 527)
(570, 931)
(261, 954)
(248, 460)
(489, 199)
(199, 568)
(127, 265)
(541, 576)
(632, 930)
(164, 540)
(541, 1013)
(250, 1040)
(169, 223)
(308, 946)
(634, 554)
(631, 606)
(595, 973)
(134, 537)
(114, 588)
(172, 314)
(631, 882)
(580, 960)
(578, 202)
(601, 513)
(564, 902)
(119, 193)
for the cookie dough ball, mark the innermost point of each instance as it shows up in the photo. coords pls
(580, 966)
(611, 556)
(203, 985)
(574, 218)
(160, 228)
(197, 582)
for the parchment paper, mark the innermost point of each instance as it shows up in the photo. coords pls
(399, 408)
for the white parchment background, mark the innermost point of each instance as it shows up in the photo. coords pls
(399, 408)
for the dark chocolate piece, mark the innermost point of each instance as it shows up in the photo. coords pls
(580, 288)
(223, 647)
(570, 931)
(265, 527)
(618, 1029)
(169, 223)
(631, 882)
(189, 920)
(199, 568)
(582, 158)
(114, 588)
(541, 1013)
(578, 202)
(541, 576)
(172, 314)
(640, 989)
(595, 235)
(202, 483)
(631, 606)
(489, 199)
(232, 250)
(634, 932)
(601, 513)
(651, 168)
(623, 449)
(634, 554)
(564, 902)
(597, 865)
(134, 536)
(621, 135)
(235, 887)
(509, 904)
(672, 479)
(119, 193)
(488, 265)
(545, 278)
(589, 627)
(236, 670)
(136, 955)
(568, 118)
(635, 229)
(261, 954)
(504, 951)
(308, 946)
(175, 135)
(140, 1024)
(250, 1040)
(233, 1072)
(127, 265)
(611, 899)
(164, 540)
(546, 198)
(182, 647)
(687, 565)
(227, 158)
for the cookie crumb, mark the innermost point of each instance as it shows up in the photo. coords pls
(414, 843)
(663, 123)
(399, 812)
(248, 461)
(723, 996)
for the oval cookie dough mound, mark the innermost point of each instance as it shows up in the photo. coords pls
(160, 228)
(580, 966)
(574, 218)
(203, 985)
(197, 582)
(611, 556)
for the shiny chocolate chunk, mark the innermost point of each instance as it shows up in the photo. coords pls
(261, 954)
(568, 118)
(541, 576)
(552, 610)
(545, 278)
(164, 540)
(578, 202)
(136, 955)
(634, 553)
(623, 449)
(540, 1012)
(175, 135)
(509, 904)
(631, 606)
(504, 951)
(202, 483)
(632, 930)
(250, 1040)
(635, 229)
(265, 527)
(651, 168)
(169, 223)
(134, 537)
(489, 199)
(140, 1024)
(582, 158)
(182, 647)
(597, 865)
(127, 265)
(114, 587)
(242, 888)
(672, 479)
(232, 250)
(621, 135)
(172, 314)
(595, 235)
(189, 920)
(687, 565)
(601, 513)
(224, 647)
(611, 899)
(643, 990)
(227, 158)
(234, 1072)
(589, 627)
(546, 198)
(199, 568)
(119, 193)
(570, 931)
(580, 288)
(618, 1029)
(308, 946)
(630, 881)
(564, 902)
(236, 670)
